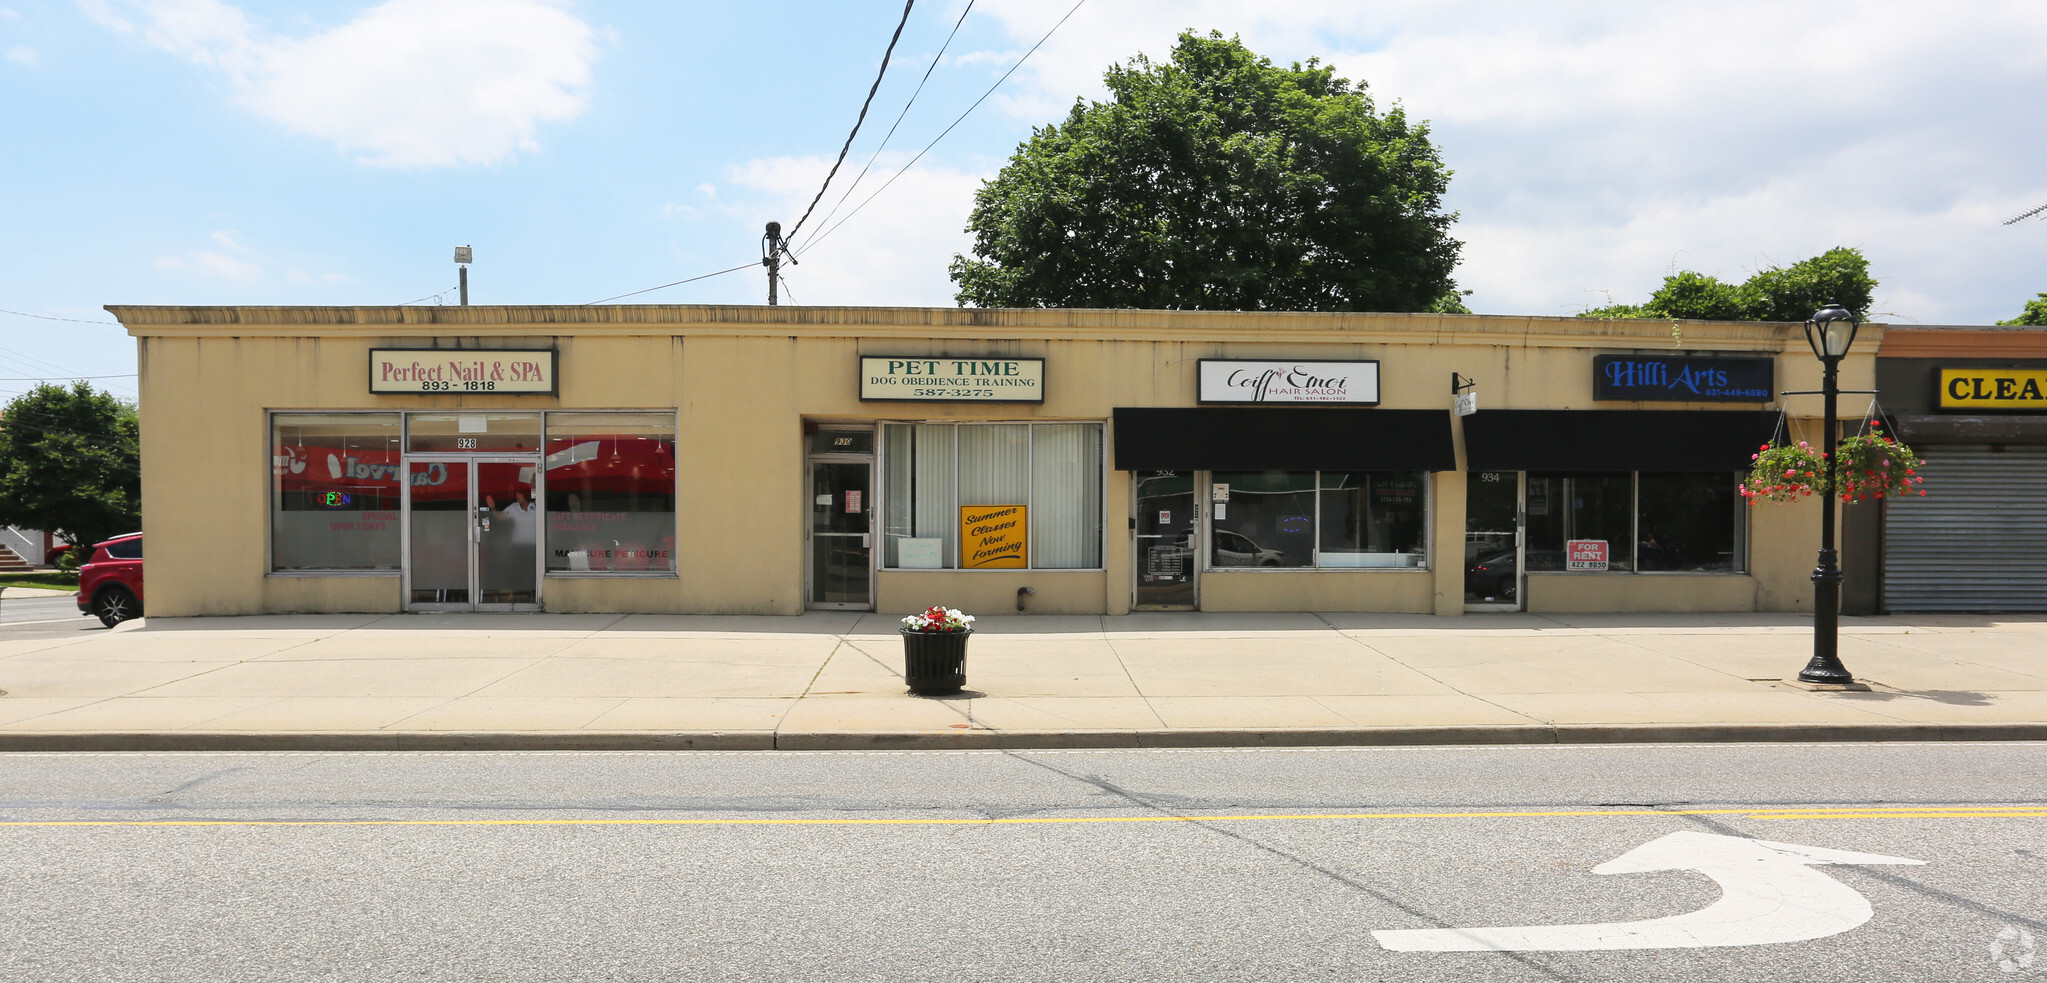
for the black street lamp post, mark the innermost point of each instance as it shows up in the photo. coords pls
(1830, 332)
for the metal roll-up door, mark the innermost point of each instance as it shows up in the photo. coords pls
(1978, 540)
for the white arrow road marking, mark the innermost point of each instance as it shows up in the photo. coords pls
(1769, 894)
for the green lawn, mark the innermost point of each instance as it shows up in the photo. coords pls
(46, 581)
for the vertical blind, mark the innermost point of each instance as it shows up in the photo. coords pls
(931, 469)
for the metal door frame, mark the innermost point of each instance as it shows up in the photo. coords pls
(1520, 602)
(469, 462)
(810, 534)
(1198, 540)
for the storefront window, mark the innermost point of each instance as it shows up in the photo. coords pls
(1589, 506)
(610, 490)
(1650, 521)
(334, 491)
(1328, 519)
(1689, 521)
(931, 471)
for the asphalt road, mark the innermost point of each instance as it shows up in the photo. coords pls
(1048, 865)
(28, 617)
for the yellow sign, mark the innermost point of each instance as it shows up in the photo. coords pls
(994, 537)
(1993, 389)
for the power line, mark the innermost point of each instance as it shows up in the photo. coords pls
(50, 378)
(743, 266)
(935, 59)
(861, 119)
(416, 300)
(73, 320)
(814, 240)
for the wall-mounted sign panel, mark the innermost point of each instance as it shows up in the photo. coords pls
(994, 537)
(952, 380)
(1993, 389)
(499, 371)
(1684, 378)
(1243, 380)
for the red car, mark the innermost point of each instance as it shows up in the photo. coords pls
(110, 583)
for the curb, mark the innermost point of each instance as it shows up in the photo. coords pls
(958, 740)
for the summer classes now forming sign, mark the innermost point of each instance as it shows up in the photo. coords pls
(952, 380)
(1993, 389)
(1240, 380)
(994, 537)
(412, 370)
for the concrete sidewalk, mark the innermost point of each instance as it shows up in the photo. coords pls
(828, 680)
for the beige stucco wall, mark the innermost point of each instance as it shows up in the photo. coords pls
(744, 381)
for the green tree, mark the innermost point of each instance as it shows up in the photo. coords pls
(2035, 313)
(69, 462)
(1218, 181)
(1778, 293)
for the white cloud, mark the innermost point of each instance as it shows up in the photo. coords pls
(230, 239)
(1597, 142)
(22, 54)
(407, 83)
(708, 190)
(213, 264)
(893, 253)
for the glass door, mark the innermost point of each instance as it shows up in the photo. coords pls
(472, 535)
(1166, 550)
(1492, 541)
(841, 534)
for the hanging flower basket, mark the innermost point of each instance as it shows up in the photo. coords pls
(1872, 465)
(935, 651)
(1785, 473)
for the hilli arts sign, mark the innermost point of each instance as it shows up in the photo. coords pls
(1993, 389)
(952, 380)
(529, 372)
(1243, 380)
(1683, 378)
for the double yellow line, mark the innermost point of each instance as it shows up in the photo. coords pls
(1799, 812)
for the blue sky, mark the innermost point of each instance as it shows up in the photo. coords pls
(272, 152)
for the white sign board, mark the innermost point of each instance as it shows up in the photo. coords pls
(1242, 380)
(1467, 404)
(952, 380)
(475, 370)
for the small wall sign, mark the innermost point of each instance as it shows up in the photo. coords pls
(1585, 554)
(1244, 380)
(952, 380)
(518, 372)
(1684, 378)
(1993, 389)
(994, 537)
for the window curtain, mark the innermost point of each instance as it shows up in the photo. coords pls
(1066, 496)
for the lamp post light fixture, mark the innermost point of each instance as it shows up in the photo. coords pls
(1830, 332)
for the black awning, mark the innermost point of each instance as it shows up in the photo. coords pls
(1282, 438)
(1614, 440)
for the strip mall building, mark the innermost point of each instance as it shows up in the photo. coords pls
(754, 460)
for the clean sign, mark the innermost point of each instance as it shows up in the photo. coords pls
(952, 380)
(1243, 380)
(1993, 389)
(439, 370)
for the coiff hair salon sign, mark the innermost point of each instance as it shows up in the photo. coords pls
(475, 370)
(1239, 380)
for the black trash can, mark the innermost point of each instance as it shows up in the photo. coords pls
(935, 662)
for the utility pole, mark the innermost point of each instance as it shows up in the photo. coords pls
(462, 261)
(773, 248)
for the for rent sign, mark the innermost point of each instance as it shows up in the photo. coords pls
(413, 370)
(1585, 554)
(994, 537)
